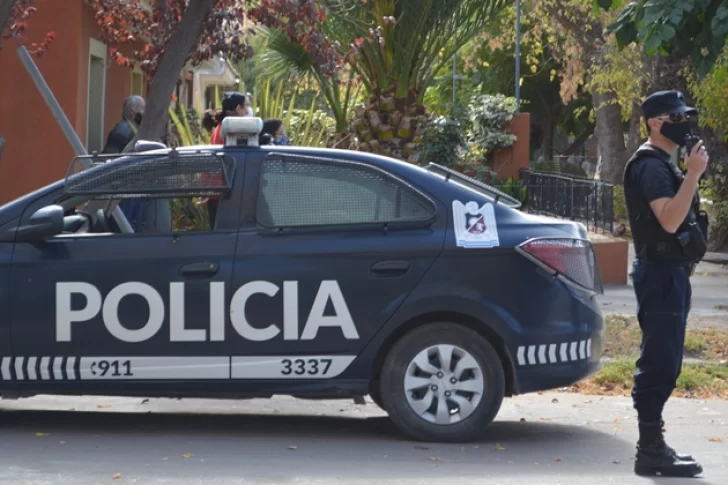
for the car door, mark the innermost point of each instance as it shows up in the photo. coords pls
(128, 307)
(329, 250)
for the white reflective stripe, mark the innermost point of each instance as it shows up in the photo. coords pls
(588, 348)
(7, 376)
(70, 373)
(31, 368)
(290, 367)
(542, 354)
(532, 354)
(140, 368)
(19, 376)
(552, 354)
(521, 355)
(58, 368)
(582, 349)
(573, 351)
(44, 375)
(564, 357)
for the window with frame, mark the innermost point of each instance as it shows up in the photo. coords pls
(298, 191)
(176, 192)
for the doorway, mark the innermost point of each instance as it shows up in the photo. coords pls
(96, 97)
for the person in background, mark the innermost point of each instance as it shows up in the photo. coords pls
(274, 129)
(119, 137)
(124, 131)
(233, 104)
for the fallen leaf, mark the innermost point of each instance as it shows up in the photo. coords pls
(523, 420)
(116, 476)
(145, 401)
(558, 459)
(716, 440)
(554, 401)
(617, 420)
(41, 435)
(187, 455)
(103, 406)
(275, 411)
(619, 428)
(498, 447)
(434, 458)
(292, 447)
(545, 419)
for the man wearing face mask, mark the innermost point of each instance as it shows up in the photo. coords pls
(669, 234)
(123, 132)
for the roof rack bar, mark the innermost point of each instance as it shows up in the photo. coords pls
(496, 194)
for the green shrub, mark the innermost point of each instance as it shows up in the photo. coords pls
(442, 142)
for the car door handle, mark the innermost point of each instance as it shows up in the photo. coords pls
(390, 268)
(199, 269)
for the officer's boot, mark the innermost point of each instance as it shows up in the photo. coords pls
(654, 457)
(681, 456)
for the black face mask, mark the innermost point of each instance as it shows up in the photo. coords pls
(676, 132)
(138, 118)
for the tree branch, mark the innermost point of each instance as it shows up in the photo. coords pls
(176, 52)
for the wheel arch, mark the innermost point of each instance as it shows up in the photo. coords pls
(469, 321)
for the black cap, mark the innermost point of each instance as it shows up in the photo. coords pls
(231, 100)
(666, 102)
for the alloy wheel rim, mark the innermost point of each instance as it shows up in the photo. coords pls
(444, 384)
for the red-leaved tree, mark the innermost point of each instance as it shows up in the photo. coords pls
(14, 17)
(174, 32)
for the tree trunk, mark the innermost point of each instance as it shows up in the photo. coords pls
(390, 127)
(6, 8)
(609, 134)
(176, 51)
(634, 137)
(578, 143)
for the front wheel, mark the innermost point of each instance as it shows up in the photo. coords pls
(442, 382)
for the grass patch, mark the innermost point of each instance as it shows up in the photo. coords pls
(696, 380)
(622, 347)
(623, 338)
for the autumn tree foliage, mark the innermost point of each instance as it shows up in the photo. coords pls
(17, 24)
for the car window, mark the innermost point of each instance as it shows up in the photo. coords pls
(156, 193)
(298, 191)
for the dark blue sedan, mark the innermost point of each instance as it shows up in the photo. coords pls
(318, 273)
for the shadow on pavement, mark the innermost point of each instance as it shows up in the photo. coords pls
(287, 445)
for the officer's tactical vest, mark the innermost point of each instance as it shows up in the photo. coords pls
(650, 239)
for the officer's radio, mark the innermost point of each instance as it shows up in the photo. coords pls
(690, 141)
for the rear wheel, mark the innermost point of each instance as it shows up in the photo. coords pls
(442, 382)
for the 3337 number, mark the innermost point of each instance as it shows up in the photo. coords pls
(300, 367)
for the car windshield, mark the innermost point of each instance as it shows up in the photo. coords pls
(470, 183)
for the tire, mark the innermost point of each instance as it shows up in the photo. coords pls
(477, 357)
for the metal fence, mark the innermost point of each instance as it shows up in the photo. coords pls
(588, 201)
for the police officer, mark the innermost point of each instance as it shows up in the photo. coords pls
(669, 240)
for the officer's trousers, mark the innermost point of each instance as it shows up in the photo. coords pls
(663, 294)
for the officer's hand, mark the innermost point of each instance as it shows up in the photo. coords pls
(697, 161)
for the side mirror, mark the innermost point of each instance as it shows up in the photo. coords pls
(45, 222)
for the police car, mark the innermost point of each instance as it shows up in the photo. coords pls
(324, 274)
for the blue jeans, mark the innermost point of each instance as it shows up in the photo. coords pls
(663, 294)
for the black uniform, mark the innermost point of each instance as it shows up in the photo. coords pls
(661, 280)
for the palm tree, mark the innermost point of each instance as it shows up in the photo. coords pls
(402, 45)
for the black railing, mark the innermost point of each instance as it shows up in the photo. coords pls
(588, 201)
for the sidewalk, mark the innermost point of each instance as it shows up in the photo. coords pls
(710, 292)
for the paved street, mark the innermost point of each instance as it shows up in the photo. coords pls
(578, 440)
